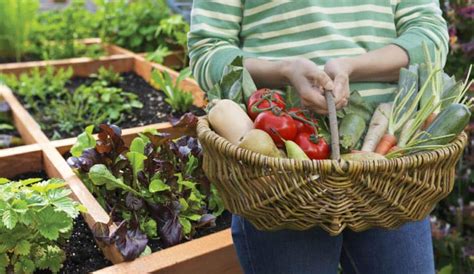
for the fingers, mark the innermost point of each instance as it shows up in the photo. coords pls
(341, 90)
(313, 98)
(321, 79)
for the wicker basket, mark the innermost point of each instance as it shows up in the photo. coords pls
(277, 193)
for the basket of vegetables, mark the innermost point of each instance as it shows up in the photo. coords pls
(270, 163)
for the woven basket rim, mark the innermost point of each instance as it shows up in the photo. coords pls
(233, 151)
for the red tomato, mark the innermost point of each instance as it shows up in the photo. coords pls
(302, 126)
(263, 99)
(277, 125)
(316, 148)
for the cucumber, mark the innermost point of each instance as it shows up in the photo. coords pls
(451, 120)
(351, 128)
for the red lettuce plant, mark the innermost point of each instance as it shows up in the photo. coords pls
(154, 188)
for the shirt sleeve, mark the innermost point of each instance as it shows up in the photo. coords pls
(213, 40)
(419, 21)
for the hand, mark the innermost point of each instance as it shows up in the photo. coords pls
(339, 70)
(310, 83)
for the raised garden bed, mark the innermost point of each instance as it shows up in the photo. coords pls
(136, 73)
(208, 254)
(30, 59)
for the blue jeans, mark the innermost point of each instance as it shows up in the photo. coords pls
(402, 251)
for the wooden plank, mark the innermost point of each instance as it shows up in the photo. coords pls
(18, 160)
(64, 145)
(55, 166)
(83, 66)
(29, 130)
(213, 254)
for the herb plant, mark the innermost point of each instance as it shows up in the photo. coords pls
(35, 217)
(154, 188)
(180, 100)
(61, 110)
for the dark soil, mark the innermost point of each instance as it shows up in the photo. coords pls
(222, 222)
(154, 110)
(82, 253)
(34, 174)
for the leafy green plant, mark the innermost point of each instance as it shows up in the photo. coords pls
(179, 99)
(159, 55)
(153, 188)
(55, 33)
(132, 24)
(15, 25)
(174, 29)
(60, 110)
(35, 217)
(107, 77)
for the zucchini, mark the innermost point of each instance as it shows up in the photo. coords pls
(351, 128)
(450, 121)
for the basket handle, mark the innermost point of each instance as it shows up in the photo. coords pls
(336, 153)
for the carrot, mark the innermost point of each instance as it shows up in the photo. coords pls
(387, 142)
(394, 148)
(429, 120)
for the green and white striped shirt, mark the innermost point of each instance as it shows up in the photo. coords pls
(315, 29)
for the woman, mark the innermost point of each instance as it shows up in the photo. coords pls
(317, 45)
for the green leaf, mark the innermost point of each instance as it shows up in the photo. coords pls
(84, 141)
(186, 224)
(51, 223)
(100, 175)
(194, 217)
(446, 270)
(145, 252)
(157, 185)
(4, 261)
(22, 248)
(24, 265)
(292, 98)
(10, 218)
(4, 181)
(184, 204)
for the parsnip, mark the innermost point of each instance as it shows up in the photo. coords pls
(378, 127)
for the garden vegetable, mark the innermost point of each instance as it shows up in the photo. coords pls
(229, 120)
(294, 151)
(278, 124)
(351, 128)
(377, 128)
(259, 141)
(314, 147)
(263, 99)
(449, 123)
(303, 123)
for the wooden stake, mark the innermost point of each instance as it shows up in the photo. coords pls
(335, 152)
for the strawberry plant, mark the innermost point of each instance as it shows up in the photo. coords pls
(35, 217)
(154, 188)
